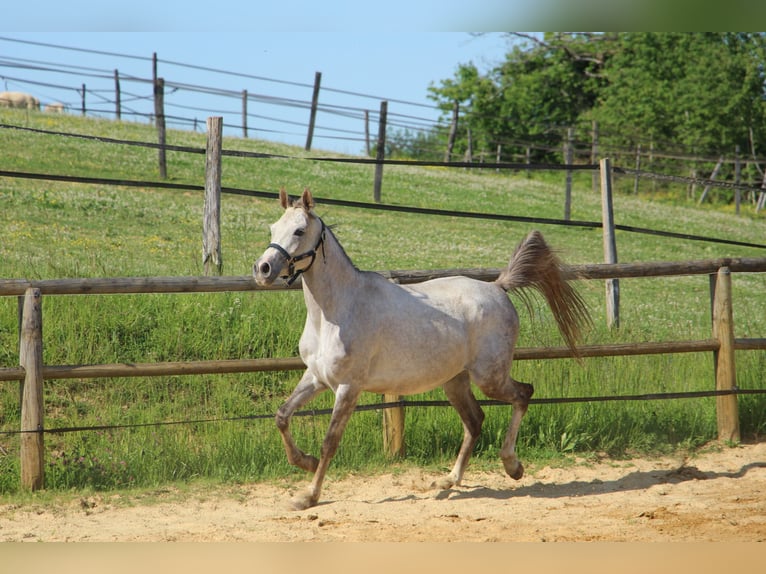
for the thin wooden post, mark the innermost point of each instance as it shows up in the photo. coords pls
(393, 428)
(528, 160)
(610, 244)
(568, 155)
(761, 203)
(211, 224)
(737, 178)
(244, 114)
(31, 358)
(713, 175)
(314, 105)
(638, 168)
(380, 154)
(83, 108)
(468, 156)
(594, 155)
(727, 410)
(367, 146)
(452, 132)
(117, 96)
(159, 116)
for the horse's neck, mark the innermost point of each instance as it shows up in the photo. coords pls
(331, 279)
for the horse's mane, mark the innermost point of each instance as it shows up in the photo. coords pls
(331, 230)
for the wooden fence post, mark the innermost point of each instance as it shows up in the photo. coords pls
(727, 410)
(380, 154)
(211, 223)
(83, 108)
(528, 160)
(314, 105)
(594, 155)
(761, 203)
(117, 96)
(244, 114)
(31, 358)
(452, 132)
(610, 244)
(159, 118)
(737, 178)
(713, 175)
(367, 146)
(568, 158)
(393, 428)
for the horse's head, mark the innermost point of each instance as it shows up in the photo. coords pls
(295, 238)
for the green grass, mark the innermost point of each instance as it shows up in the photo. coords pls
(57, 230)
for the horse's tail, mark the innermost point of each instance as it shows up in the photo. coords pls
(534, 264)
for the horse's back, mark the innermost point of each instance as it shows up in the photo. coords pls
(466, 298)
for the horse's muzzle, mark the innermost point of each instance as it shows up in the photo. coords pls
(265, 271)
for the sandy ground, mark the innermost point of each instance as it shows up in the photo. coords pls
(719, 495)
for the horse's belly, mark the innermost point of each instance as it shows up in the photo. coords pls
(415, 369)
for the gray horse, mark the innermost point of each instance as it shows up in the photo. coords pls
(365, 333)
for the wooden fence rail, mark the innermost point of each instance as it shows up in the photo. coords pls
(32, 372)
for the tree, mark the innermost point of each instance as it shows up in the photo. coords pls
(543, 85)
(702, 91)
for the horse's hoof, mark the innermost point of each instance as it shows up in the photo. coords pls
(443, 483)
(514, 468)
(303, 501)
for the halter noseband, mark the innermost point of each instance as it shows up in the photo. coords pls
(292, 273)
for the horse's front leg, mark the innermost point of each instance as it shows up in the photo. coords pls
(346, 398)
(307, 389)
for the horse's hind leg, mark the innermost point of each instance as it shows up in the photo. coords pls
(461, 397)
(511, 462)
(518, 394)
(307, 389)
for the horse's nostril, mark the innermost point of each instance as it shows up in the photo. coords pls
(265, 268)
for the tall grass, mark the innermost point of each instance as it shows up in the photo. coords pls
(55, 230)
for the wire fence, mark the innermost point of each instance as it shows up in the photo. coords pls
(378, 206)
(343, 115)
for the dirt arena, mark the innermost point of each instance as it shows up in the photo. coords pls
(719, 495)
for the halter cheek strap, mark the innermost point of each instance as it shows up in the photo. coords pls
(292, 273)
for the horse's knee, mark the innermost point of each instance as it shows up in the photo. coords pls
(282, 420)
(524, 391)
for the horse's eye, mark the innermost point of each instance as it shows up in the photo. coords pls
(299, 232)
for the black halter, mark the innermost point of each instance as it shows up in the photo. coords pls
(292, 273)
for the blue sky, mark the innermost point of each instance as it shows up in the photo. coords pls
(387, 65)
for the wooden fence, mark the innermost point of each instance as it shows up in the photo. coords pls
(32, 372)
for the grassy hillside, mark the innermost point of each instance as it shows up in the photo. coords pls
(56, 230)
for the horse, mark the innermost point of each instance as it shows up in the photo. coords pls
(366, 333)
(19, 100)
(55, 108)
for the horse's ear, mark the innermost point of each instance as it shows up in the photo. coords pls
(283, 199)
(307, 199)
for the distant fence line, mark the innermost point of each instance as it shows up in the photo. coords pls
(649, 150)
(568, 148)
(381, 206)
